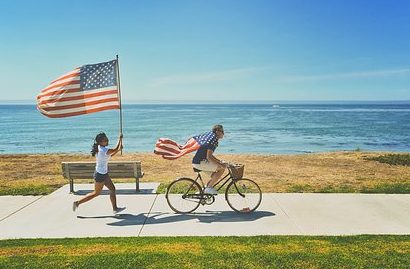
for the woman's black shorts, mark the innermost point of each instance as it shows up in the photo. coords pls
(100, 177)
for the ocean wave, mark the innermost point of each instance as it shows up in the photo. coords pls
(249, 129)
(349, 110)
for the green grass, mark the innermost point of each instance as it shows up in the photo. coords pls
(389, 188)
(400, 188)
(162, 188)
(306, 188)
(337, 189)
(393, 159)
(31, 189)
(300, 188)
(365, 251)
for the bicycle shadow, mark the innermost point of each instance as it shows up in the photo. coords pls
(208, 217)
(162, 218)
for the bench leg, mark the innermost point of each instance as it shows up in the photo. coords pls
(71, 185)
(137, 184)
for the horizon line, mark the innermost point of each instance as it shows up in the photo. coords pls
(272, 102)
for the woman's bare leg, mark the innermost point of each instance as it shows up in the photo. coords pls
(110, 185)
(97, 191)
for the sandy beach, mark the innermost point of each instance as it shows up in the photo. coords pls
(348, 171)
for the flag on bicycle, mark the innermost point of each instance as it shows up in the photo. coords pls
(86, 89)
(171, 150)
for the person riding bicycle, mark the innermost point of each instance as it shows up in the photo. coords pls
(205, 159)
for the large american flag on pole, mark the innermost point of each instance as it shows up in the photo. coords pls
(171, 150)
(87, 89)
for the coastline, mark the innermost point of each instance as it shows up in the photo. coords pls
(250, 128)
(328, 172)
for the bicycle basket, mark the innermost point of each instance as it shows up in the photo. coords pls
(237, 171)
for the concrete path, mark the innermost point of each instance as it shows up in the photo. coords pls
(148, 214)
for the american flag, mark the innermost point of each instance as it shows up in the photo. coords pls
(87, 89)
(171, 150)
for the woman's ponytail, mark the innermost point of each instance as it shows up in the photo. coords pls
(94, 148)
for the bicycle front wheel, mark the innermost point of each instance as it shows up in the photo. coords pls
(184, 195)
(243, 195)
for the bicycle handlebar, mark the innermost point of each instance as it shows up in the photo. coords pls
(233, 164)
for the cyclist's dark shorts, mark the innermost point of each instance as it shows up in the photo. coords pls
(100, 177)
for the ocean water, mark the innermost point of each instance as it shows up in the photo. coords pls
(249, 128)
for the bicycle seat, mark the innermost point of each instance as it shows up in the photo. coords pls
(197, 170)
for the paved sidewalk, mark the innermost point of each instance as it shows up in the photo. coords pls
(148, 214)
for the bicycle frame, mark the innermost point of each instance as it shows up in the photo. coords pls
(228, 177)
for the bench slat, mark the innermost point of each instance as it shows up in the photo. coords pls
(112, 175)
(93, 163)
(81, 166)
(110, 169)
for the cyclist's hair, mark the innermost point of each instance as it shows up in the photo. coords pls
(94, 148)
(217, 127)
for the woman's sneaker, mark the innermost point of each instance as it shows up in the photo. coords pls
(75, 206)
(210, 190)
(118, 210)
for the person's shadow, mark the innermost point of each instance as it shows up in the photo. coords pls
(160, 218)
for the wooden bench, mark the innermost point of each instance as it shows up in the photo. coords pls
(119, 169)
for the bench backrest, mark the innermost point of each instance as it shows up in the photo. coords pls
(85, 170)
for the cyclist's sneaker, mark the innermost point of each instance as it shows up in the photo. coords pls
(210, 190)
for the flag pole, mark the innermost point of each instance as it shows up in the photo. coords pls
(119, 94)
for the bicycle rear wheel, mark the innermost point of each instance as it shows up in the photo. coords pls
(184, 195)
(243, 195)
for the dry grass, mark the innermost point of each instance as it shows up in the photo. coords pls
(322, 172)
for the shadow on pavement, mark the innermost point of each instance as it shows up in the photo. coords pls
(160, 218)
(118, 192)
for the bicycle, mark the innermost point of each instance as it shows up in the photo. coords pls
(184, 195)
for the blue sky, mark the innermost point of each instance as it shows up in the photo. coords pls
(213, 50)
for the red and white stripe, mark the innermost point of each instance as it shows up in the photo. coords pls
(171, 150)
(64, 98)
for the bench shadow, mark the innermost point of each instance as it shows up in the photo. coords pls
(161, 218)
(120, 192)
